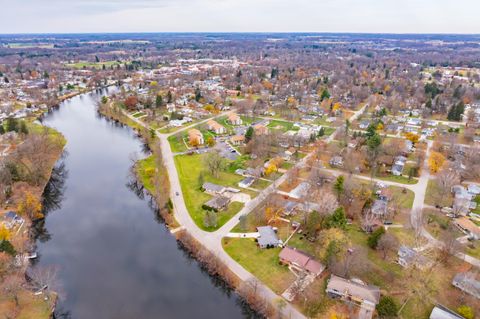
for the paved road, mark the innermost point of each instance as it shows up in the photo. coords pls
(213, 240)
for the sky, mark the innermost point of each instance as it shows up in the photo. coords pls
(372, 16)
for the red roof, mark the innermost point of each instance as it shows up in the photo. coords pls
(300, 259)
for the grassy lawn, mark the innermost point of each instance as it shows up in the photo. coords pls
(138, 114)
(329, 131)
(176, 143)
(189, 168)
(432, 195)
(281, 125)
(146, 171)
(262, 263)
(30, 306)
(398, 179)
(477, 200)
(404, 199)
(260, 184)
(247, 121)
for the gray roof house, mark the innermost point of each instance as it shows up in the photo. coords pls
(212, 189)
(379, 208)
(247, 182)
(336, 161)
(408, 257)
(441, 312)
(399, 164)
(218, 203)
(267, 237)
(366, 296)
(467, 283)
(300, 191)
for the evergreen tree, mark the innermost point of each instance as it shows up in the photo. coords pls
(169, 97)
(7, 247)
(198, 94)
(321, 132)
(158, 100)
(325, 95)
(374, 237)
(336, 220)
(387, 308)
(249, 134)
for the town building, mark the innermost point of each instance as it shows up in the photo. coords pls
(234, 119)
(195, 137)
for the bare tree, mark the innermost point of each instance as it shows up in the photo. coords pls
(387, 243)
(215, 163)
(44, 278)
(417, 221)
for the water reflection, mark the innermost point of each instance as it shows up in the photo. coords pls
(114, 259)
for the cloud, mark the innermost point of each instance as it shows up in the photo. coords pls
(406, 16)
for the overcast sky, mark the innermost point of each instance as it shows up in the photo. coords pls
(378, 16)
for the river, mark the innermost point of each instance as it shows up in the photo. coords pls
(114, 255)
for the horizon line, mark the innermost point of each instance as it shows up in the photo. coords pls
(238, 32)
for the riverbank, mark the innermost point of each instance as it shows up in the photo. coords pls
(148, 171)
(25, 199)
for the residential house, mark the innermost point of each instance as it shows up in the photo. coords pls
(267, 237)
(441, 312)
(218, 203)
(215, 127)
(300, 261)
(414, 121)
(260, 129)
(380, 208)
(462, 201)
(468, 227)
(409, 146)
(393, 128)
(289, 207)
(213, 189)
(10, 219)
(300, 191)
(237, 140)
(467, 283)
(234, 119)
(336, 161)
(408, 257)
(195, 137)
(247, 182)
(367, 296)
(398, 165)
(473, 189)
(364, 124)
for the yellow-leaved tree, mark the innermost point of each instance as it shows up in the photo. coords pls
(272, 168)
(4, 233)
(435, 161)
(30, 206)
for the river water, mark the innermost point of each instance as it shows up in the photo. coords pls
(115, 257)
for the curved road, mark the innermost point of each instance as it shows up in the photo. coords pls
(213, 240)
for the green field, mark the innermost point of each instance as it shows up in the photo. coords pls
(189, 168)
(281, 125)
(93, 65)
